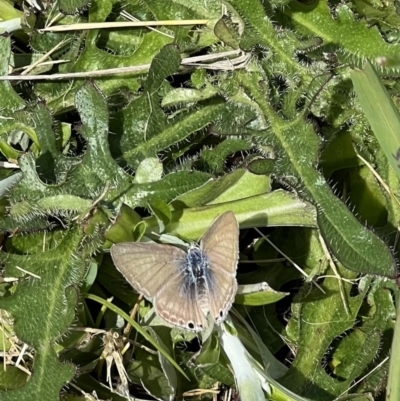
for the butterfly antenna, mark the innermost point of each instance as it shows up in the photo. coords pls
(290, 260)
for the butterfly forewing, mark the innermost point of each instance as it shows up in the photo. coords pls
(147, 266)
(221, 246)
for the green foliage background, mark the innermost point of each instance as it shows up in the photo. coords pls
(272, 132)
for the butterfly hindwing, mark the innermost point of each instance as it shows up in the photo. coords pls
(178, 303)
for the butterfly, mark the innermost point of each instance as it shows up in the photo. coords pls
(185, 287)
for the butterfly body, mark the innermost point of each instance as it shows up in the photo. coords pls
(186, 287)
(196, 264)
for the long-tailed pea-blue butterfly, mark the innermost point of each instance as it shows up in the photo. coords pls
(186, 287)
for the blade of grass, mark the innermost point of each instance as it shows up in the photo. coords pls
(191, 61)
(137, 327)
(132, 24)
(380, 111)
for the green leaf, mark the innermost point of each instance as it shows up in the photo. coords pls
(163, 65)
(336, 327)
(149, 170)
(393, 386)
(211, 363)
(247, 185)
(96, 171)
(162, 212)
(351, 242)
(122, 229)
(258, 294)
(72, 6)
(261, 166)
(50, 162)
(225, 31)
(236, 185)
(278, 208)
(8, 183)
(139, 231)
(215, 158)
(146, 370)
(274, 369)
(12, 378)
(180, 96)
(58, 203)
(339, 154)
(10, 100)
(249, 384)
(359, 41)
(48, 297)
(138, 143)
